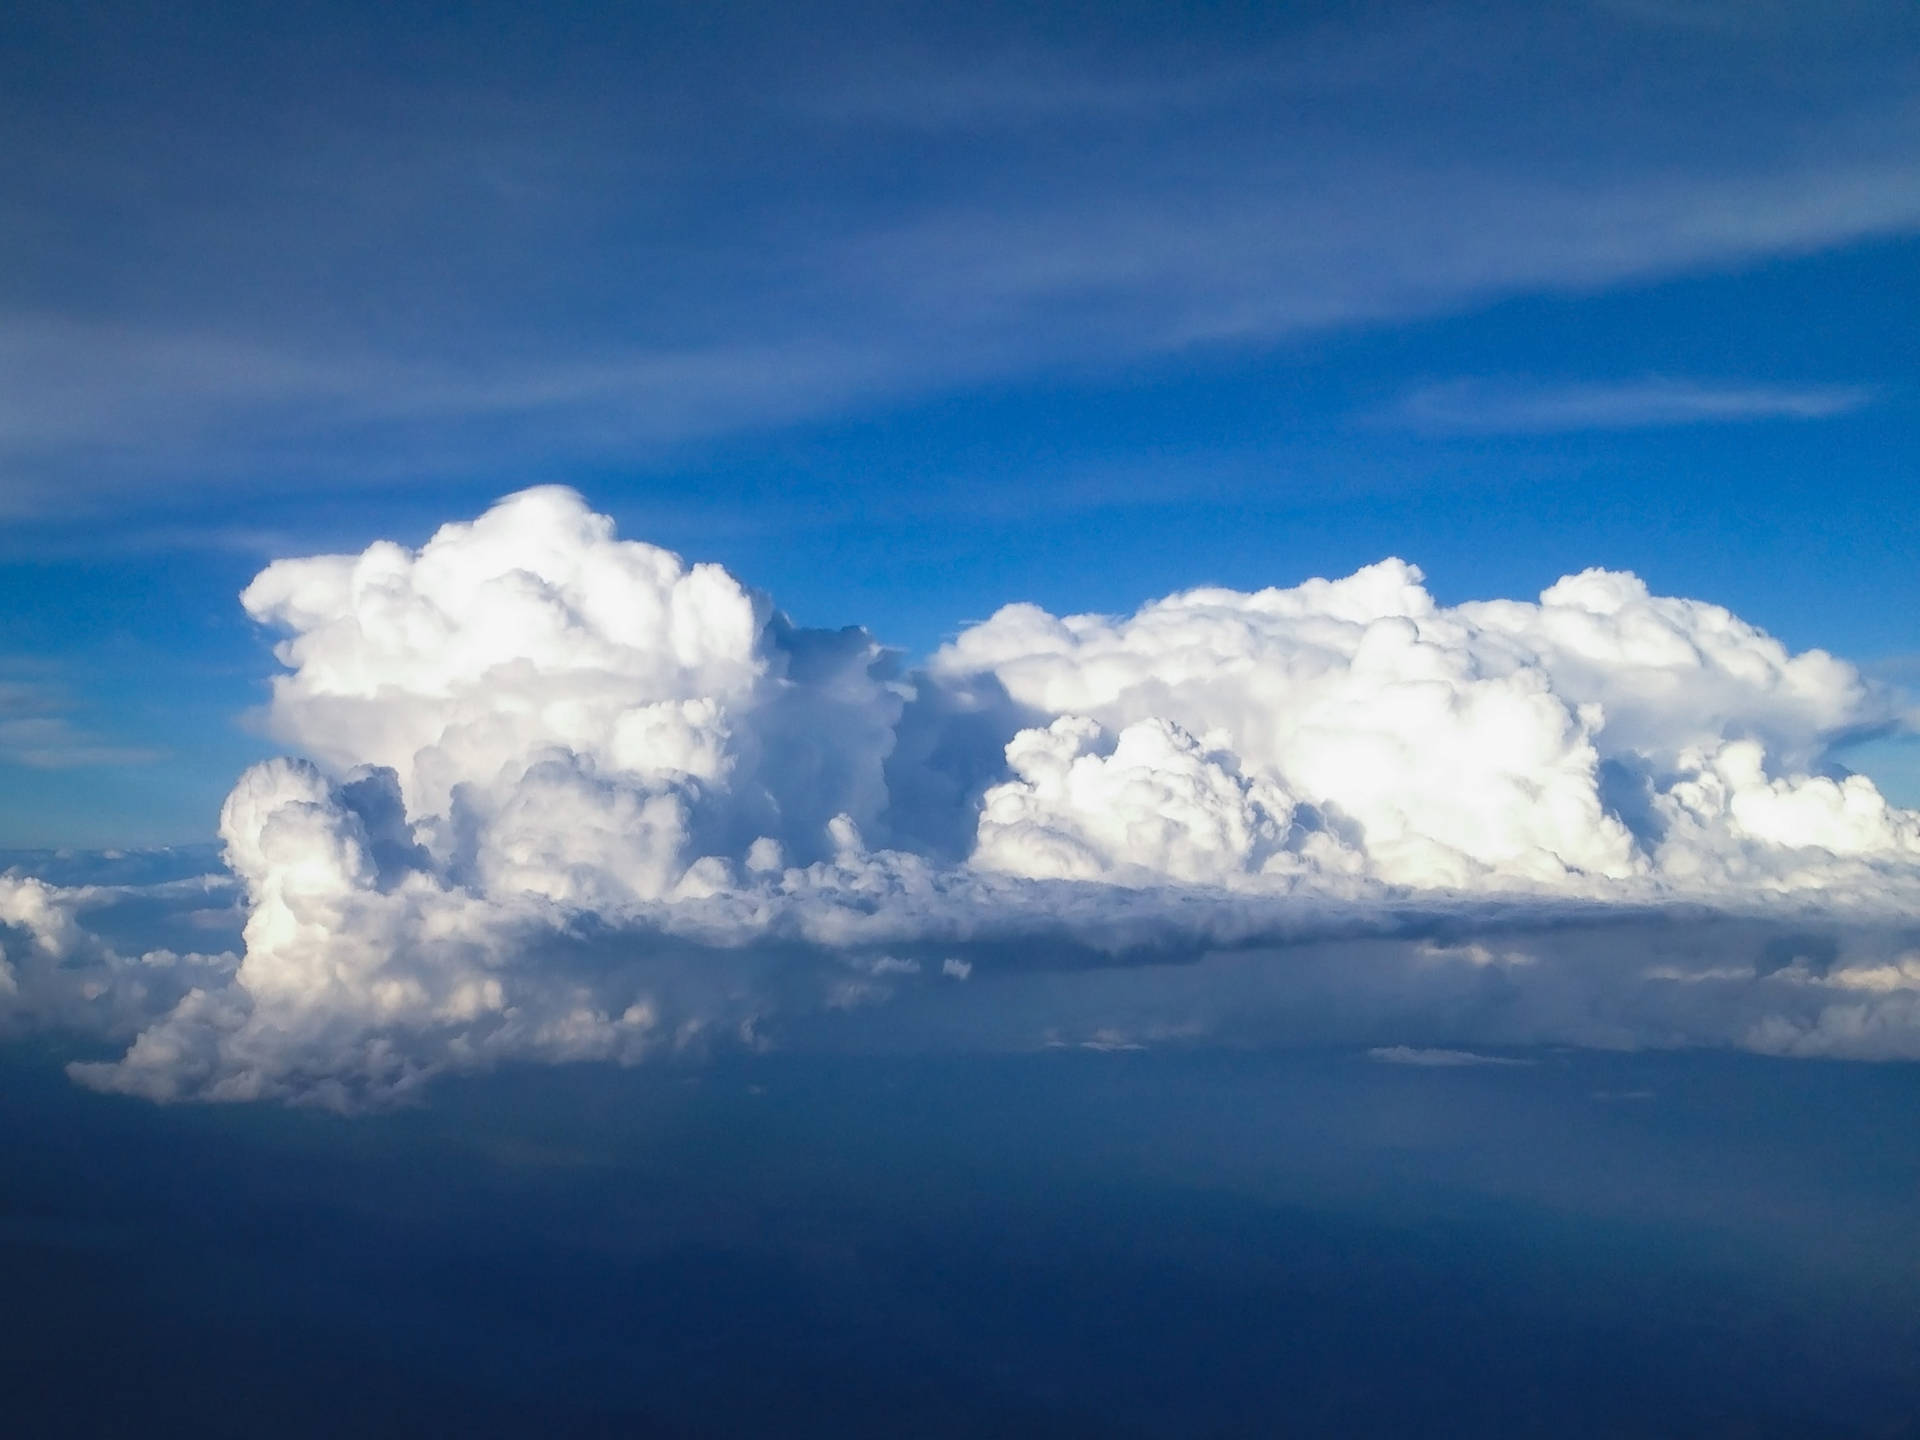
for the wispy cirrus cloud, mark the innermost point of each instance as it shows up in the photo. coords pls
(437, 284)
(1503, 407)
(1433, 1059)
(36, 731)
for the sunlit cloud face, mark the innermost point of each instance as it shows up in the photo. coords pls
(569, 797)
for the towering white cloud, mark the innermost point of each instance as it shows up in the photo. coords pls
(573, 715)
(1603, 740)
(569, 797)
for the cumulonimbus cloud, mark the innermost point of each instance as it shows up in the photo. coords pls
(565, 796)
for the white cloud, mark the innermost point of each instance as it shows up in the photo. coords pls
(1151, 805)
(572, 715)
(59, 974)
(1604, 740)
(572, 798)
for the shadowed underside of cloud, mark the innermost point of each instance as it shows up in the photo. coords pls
(569, 797)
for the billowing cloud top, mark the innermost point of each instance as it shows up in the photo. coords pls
(1354, 726)
(574, 716)
(568, 796)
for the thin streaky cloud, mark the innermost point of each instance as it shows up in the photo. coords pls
(585, 277)
(50, 742)
(1494, 407)
(37, 733)
(1902, 669)
(1437, 1059)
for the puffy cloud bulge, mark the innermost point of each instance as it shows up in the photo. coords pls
(574, 716)
(566, 796)
(1602, 737)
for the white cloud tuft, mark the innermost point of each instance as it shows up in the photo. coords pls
(1153, 804)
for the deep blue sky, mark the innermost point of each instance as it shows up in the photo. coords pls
(906, 312)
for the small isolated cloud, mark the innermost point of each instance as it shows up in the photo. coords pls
(1437, 1059)
(1494, 407)
(564, 796)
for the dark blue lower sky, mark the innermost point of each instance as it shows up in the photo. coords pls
(1061, 1244)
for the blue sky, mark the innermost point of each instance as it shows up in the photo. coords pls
(1252, 986)
(902, 314)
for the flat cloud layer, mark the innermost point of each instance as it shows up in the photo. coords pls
(566, 796)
